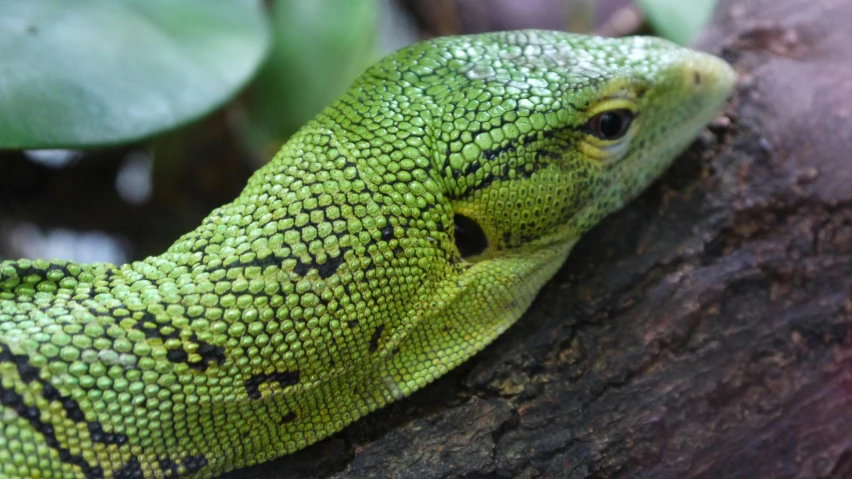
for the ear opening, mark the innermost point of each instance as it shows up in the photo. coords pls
(469, 237)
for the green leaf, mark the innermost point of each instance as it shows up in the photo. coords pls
(99, 72)
(318, 48)
(678, 20)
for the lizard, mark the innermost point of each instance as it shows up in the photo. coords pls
(395, 235)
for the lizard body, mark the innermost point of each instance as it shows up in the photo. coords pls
(394, 236)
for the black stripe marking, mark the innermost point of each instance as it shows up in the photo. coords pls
(194, 463)
(168, 467)
(326, 269)
(177, 355)
(30, 373)
(15, 401)
(374, 340)
(130, 470)
(209, 353)
(97, 434)
(72, 409)
(520, 170)
(289, 417)
(284, 379)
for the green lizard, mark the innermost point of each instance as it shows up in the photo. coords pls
(397, 234)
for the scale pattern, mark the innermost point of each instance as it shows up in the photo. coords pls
(336, 283)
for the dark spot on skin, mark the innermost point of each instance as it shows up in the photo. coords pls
(266, 262)
(696, 77)
(302, 268)
(168, 467)
(471, 168)
(208, 353)
(387, 232)
(148, 324)
(32, 412)
(284, 379)
(194, 463)
(177, 356)
(50, 393)
(27, 372)
(130, 470)
(263, 263)
(153, 330)
(72, 410)
(289, 417)
(352, 323)
(96, 432)
(374, 339)
(326, 269)
(548, 155)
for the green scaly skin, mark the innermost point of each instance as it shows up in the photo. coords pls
(334, 284)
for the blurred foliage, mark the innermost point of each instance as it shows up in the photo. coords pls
(96, 72)
(678, 20)
(454, 17)
(112, 71)
(318, 48)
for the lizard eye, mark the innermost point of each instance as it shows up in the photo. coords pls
(610, 125)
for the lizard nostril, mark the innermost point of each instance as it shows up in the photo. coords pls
(470, 239)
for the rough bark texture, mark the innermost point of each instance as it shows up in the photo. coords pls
(705, 331)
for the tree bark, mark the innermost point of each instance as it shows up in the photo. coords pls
(705, 331)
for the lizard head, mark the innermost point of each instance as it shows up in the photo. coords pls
(543, 133)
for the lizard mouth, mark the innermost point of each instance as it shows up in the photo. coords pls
(706, 83)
